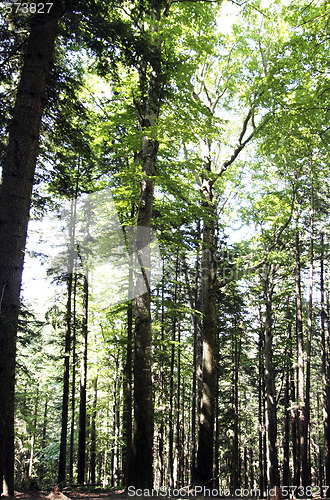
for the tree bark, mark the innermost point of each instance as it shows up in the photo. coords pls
(83, 386)
(66, 380)
(286, 437)
(141, 470)
(196, 304)
(325, 369)
(306, 472)
(271, 423)
(171, 388)
(93, 434)
(73, 383)
(260, 409)
(206, 421)
(15, 198)
(301, 381)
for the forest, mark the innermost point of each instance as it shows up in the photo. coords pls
(164, 247)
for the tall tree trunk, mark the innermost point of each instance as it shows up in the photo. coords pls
(271, 423)
(18, 169)
(161, 443)
(83, 383)
(127, 383)
(206, 421)
(216, 471)
(306, 472)
(73, 383)
(286, 437)
(141, 470)
(93, 434)
(196, 305)
(66, 379)
(260, 410)
(171, 389)
(325, 370)
(34, 430)
(43, 439)
(294, 428)
(178, 401)
(236, 363)
(301, 382)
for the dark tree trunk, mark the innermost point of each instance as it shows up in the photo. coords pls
(18, 169)
(93, 434)
(206, 421)
(216, 472)
(271, 427)
(301, 383)
(236, 363)
(73, 383)
(325, 370)
(286, 437)
(83, 382)
(306, 472)
(171, 389)
(260, 410)
(66, 381)
(178, 400)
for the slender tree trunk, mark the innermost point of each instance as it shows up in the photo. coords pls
(73, 386)
(66, 380)
(83, 383)
(206, 421)
(301, 382)
(93, 434)
(286, 438)
(271, 423)
(216, 472)
(325, 370)
(178, 402)
(236, 361)
(18, 169)
(127, 409)
(43, 439)
(294, 430)
(260, 419)
(34, 430)
(306, 472)
(171, 389)
(197, 357)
